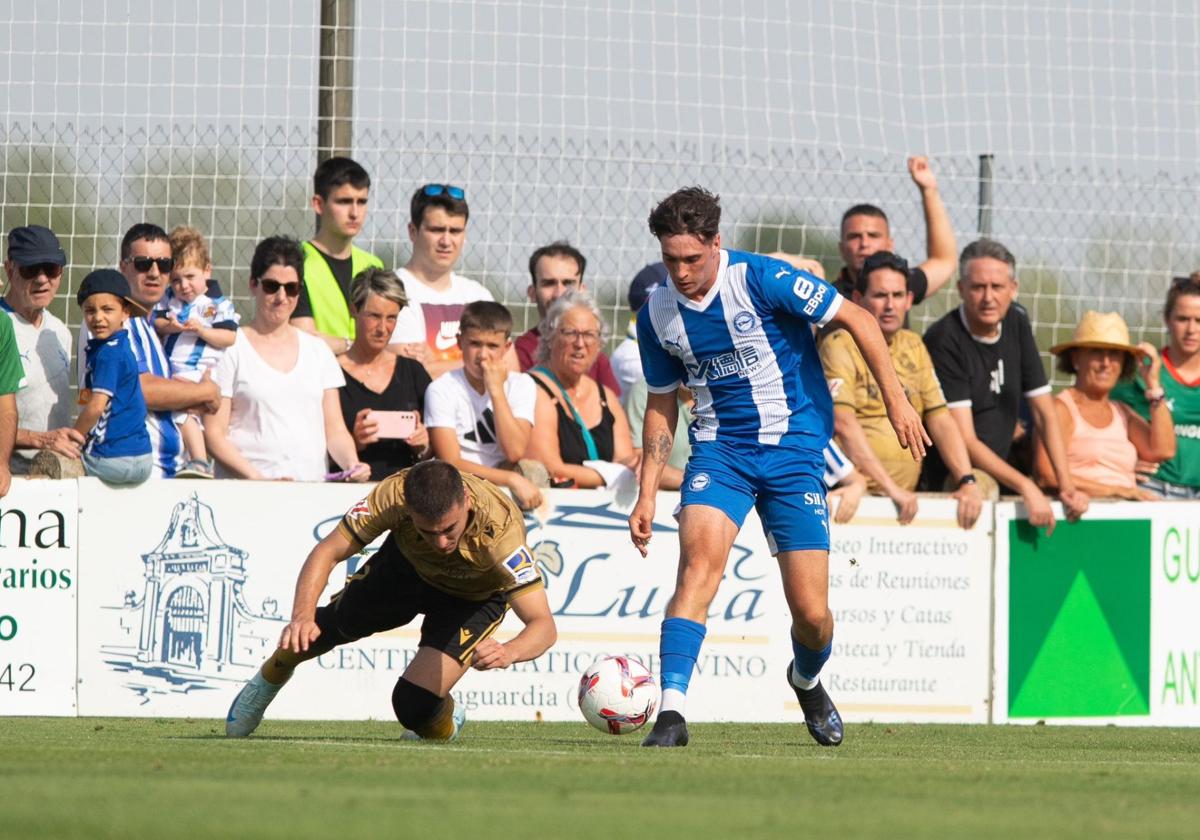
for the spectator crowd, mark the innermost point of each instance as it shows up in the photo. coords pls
(349, 371)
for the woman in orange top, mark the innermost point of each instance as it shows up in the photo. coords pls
(1104, 438)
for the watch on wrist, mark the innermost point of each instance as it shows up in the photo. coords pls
(969, 478)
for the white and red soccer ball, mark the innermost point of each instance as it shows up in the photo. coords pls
(617, 695)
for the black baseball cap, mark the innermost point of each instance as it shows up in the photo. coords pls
(107, 281)
(34, 245)
(645, 282)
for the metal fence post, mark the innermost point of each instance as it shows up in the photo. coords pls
(335, 94)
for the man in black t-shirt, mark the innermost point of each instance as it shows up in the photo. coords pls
(986, 359)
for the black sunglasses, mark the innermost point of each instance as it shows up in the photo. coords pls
(142, 264)
(31, 272)
(457, 193)
(270, 287)
(1183, 281)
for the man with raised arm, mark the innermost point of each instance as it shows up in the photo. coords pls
(865, 230)
(735, 328)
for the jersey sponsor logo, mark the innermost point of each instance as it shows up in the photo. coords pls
(803, 287)
(741, 362)
(1187, 430)
(360, 509)
(521, 564)
(809, 291)
(743, 322)
(699, 482)
(810, 308)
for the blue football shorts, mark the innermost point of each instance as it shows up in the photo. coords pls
(784, 483)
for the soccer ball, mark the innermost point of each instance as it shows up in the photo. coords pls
(617, 695)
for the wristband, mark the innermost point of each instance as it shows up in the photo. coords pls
(969, 478)
(1154, 394)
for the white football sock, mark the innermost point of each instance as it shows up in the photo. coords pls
(803, 682)
(673, 700)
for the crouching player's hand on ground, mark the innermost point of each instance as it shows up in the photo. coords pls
(489, 655)
(299, 634)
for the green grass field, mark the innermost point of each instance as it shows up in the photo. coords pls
(100, 778)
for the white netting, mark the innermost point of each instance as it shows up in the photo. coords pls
(570, 119)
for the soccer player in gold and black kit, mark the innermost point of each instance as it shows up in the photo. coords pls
(456, 554)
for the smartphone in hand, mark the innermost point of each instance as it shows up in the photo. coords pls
(394, 424)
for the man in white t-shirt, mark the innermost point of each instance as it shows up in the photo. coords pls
(427, 329)
(34, 267)
(480, 416)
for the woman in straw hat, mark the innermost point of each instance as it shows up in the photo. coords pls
(1179, 477)
(1104, 438)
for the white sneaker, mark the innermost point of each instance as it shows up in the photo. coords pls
(246, 711)
(460, 720)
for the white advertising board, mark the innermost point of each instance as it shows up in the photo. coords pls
(189, 585)
(911, 608)
(38, 590)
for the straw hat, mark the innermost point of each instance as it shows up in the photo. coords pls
(1102, 330)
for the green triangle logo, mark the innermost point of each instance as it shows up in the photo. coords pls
(1079, 670)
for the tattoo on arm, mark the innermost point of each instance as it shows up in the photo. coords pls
(659, 448)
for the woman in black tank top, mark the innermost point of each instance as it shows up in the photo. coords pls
(576, 419)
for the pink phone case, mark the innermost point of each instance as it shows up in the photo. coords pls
(395, 424)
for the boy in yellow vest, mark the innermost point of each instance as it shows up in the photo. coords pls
(340, 188)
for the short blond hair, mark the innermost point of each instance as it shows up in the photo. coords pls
(189, 248)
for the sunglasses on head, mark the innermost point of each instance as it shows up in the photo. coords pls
(142, 264)
(31, 272)
(270, 287)
(1183, 281)
(457, 193)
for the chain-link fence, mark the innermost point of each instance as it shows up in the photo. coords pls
(564, 121)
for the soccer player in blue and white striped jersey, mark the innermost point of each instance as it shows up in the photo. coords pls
(736, 328)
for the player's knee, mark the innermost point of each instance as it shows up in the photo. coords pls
(701, 579)
(811, 620)
(414, 706)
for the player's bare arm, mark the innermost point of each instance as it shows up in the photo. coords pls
(853, 439)
(904, 418)
(538, 634)
(658, 436)
(302, 630)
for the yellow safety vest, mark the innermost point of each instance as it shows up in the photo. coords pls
(331, 313)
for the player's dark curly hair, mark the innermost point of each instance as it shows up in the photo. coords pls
(432, 488)
(691, 210)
